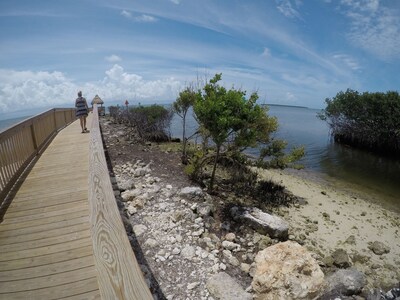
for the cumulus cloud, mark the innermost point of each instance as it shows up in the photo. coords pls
(25, 89)
(374, 28)
(113, 58)
(20, 90)
(121, 84)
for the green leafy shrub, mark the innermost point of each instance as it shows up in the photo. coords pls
(368, 120)
(235, 123)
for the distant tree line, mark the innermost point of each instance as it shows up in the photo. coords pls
(366, 120)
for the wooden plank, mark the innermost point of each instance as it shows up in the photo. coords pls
(25, 246)
(20, 219)
(47, 270)
(47, 281)
(7, 239)
(45, 259)
(40, 228)
(43, 250)
(39, 212)
(25, 195)
(94, 295)
(119, 274)
(55, 292)
(48, 202)
(46, 220)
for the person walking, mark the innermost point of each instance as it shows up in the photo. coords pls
(82, 110)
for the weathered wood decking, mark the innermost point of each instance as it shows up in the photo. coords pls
(51, 243)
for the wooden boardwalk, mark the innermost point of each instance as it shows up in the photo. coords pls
(46, 238)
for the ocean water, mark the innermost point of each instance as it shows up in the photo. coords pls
(4, 124)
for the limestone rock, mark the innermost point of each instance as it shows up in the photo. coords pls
(204, 209)
(151, 243)
(287, 271)
(129, 195)
(191, 192)
(188, 252)
(223, 287)
(230, 237)
(124, 185)
(263, 222)
(341, 259)
(346, 282)
(230, 245)
(139, 229)
(379, 248)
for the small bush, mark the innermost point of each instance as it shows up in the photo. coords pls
(271, 194)
(152, 122)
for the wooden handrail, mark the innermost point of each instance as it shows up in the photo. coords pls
(118, 273)
(21, 143)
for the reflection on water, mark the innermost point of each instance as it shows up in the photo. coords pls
(342, 166)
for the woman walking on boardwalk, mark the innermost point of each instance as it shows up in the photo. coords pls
(82, 110)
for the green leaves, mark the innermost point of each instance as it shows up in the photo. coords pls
(367, 120)
(235, 123)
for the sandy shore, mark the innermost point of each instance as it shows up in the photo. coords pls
(336, 219)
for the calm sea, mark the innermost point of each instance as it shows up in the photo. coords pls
(326, 161)
(4, 124)
(337, 165)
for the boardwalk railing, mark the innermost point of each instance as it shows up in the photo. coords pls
(118, 272)
(22, 142)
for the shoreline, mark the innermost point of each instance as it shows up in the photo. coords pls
(336, 218)
(370, 193)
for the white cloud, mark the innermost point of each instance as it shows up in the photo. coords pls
(113, 58)
(25, 89)
(120, 84)
(175, 1)
(145, 18)
(374, 28)
(348, 61)
(266, 52)
(286, 8)
(290, 97)
(21, 90)
(139, 18)
(126, 14)
(363, 5)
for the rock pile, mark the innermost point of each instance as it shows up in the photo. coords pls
(184, 257)
(172, 226)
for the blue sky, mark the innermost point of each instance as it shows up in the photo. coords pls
(294, 52)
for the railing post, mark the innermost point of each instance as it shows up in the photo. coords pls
(34, 141)
(55, 119)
